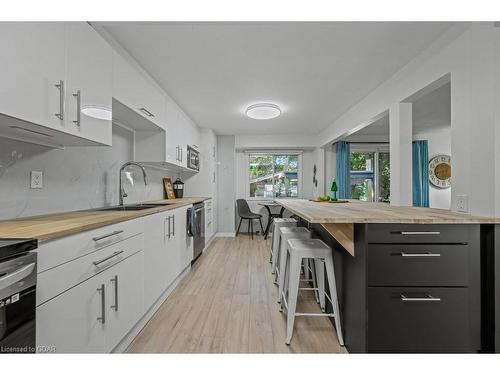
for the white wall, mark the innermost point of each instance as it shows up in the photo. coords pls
(226, 184)
(76, 178)
(471, 55)
(439, 142)
(278, 141)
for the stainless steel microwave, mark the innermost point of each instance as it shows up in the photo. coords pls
(193, 158)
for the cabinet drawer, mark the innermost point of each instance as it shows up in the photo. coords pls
(418, 265)
(62, 250)
(420, 233)
(56, 280)
(422, 320)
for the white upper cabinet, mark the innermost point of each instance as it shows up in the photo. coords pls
(89, 81)
(43, 64)
(181, 132)
(33, 62)
(134, 90)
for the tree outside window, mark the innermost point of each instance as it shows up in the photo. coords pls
(273, 175)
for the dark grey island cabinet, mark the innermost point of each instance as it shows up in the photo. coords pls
(411, 288)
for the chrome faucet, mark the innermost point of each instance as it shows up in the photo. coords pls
(121, 190)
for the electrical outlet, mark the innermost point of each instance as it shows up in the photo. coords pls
(36, 180)
(463, 203)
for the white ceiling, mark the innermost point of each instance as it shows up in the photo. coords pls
(430, 111)
(313, 71)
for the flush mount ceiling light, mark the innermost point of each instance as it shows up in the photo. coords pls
(97, 111)
(263, 111)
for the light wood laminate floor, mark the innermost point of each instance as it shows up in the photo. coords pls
(227, 304)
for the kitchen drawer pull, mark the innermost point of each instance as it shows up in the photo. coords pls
(78, 97)
(144, 110)
(428, 298)
(116, 253)
(173, 225)
(107, 235)
(60, 87)
(102, 318)
(419, 233)
(115, 281)
(420, 255)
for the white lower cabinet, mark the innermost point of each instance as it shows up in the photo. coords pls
(69, 322)
(92, 298)
(168, 251)
(124, 298)
(95, 315)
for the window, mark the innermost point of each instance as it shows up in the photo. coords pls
(370, 174)
(273, 175)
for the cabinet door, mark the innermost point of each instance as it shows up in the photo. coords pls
(124, 302)
(184, 243)
(134, 90)
(174, 132)
(72, 322)
(33, 61)
(89, 72)
(156, 257)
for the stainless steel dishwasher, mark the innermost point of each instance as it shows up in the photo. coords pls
(196, 228)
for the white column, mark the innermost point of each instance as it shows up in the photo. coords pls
(400, 138)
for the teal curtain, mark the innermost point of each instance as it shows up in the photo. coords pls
(420, 160)
(343, 174)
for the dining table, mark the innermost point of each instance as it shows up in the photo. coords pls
(271, 215)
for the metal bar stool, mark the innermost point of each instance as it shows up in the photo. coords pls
(297, 251)
(276, 239)
(285, 234)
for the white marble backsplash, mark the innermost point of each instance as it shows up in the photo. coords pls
(75, 178)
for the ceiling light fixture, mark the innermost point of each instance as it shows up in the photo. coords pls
(263, 111)
(97, 111)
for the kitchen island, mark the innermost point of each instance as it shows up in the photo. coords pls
(410, 279)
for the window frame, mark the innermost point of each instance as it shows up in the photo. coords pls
(376, 148)
(264, 152)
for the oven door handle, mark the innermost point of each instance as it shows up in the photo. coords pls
(17, 275)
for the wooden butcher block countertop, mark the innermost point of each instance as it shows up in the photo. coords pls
(366, 212)
(49, 227)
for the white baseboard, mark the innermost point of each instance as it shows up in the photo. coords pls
(129, 337)
(229, 234)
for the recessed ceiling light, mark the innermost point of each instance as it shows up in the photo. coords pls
(97, 111)
(263, 111)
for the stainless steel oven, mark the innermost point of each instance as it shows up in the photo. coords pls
(17, 296)
(193, 158)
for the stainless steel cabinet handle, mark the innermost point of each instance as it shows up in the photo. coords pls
(173, 225)
(144, 110)
(115, 281)
(168, 224)
(213, 178)
(78, 97)
(420, 255)
(425, 233)
(102, 318)
(116, 253)
(181, 150)
(107, 235)
(60, 86)
(177, 157)
(428, 298)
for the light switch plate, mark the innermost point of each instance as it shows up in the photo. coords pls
(463, 203)
(36, 180)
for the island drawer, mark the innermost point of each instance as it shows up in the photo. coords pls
(420, 233)
(418, 265)
(421, 320)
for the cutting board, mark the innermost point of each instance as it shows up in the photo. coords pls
(337, 201)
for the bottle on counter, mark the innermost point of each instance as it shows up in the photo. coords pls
(334, 189)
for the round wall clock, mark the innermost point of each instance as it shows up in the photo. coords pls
(440, 171)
